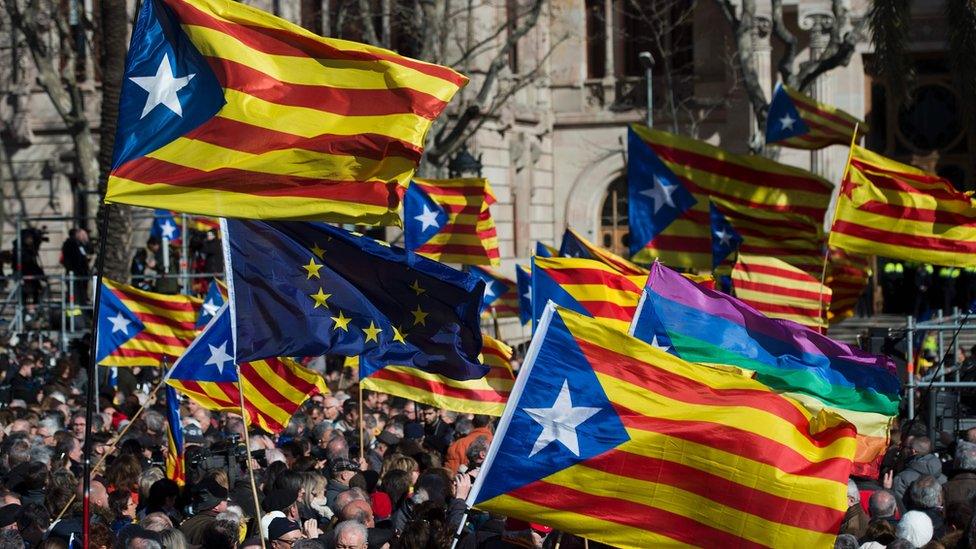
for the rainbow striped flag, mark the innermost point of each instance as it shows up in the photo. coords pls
(586, 286)
(799, 121)
(228, 111)
(616, 441)
(448, 220)
(501, 293)
(174, 439)
(274, 388)
(487, 395)
(710, 327)
(894, 210)
(847, 276)
(574, 245)
(779, 290)
(777, 209)
(140, 328)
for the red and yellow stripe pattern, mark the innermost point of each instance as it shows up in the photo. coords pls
(169, 322)
(894, 210)
(600, 290)
(712, 458)
(312, 128)
(274, 389)
(778, 209)
(487, 395)
(507, 305)
(469, 236)
(779, 290)
(622, 265)
(847, 275)
(828, 124)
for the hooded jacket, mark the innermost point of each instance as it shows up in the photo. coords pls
(929, 464)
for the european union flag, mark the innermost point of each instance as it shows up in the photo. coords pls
(725, 239)
(308, 289)
(165, 226)
(656, 197)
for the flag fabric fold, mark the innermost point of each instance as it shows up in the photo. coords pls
(175, 467)
(226, 110)
(574, 245)
(487, 395)
(140, 328)
(216, 296)
(449, 220)
(310, 289)
(709, 327)
(523, 277)
(890, 209)
(847, 276)
(274, 388)
(586, 286)
(606, 437)
(799, 121)
(501, 296)
(777, 209)
(779, 290)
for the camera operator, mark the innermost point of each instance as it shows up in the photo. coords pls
(75, 254)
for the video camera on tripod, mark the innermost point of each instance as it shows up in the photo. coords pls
(229, 455)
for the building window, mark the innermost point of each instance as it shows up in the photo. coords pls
(596, 39)
(614, 226)
(662, 27)
(511, 25)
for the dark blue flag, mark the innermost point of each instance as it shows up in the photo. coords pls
(165, 226)
(725, 239)
(524, 280)
(309, 289)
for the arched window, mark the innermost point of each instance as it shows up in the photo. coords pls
(614, 227)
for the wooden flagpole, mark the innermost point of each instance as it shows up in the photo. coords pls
(247, 448)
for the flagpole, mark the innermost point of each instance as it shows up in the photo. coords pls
(247, 448)
(90, 387)
(362, 425)
(833, 214)
(111, 445)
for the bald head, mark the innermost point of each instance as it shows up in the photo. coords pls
(882, 504)
(348, 496)
(359, 511)
(99, 496)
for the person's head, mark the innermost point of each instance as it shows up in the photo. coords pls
(478, 450)
(313, 490)
(156, 522)
(348, 496)
(77, 425)
(882, 504)
(966, 456)
(81, 235)
(172, 538)
(283, 532)
(971, 433)
(350, 534)
(526, 533)
(220, 534)
(163, 493)
(210, 496)
(880, 530)
(920, 446)
(124, 473)
(331, 408)
(925, 493)
(284, 500)
(342, 470)
(350, 411)
(396, 483)
(429, 414)
(359, 511)
(403, 463)
(916, 527)
(122, 504)
(98, 494)
(337, 448)
(845, 541)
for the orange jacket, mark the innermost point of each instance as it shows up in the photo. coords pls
(457, 452)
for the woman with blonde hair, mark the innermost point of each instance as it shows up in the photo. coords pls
(400, 462)
(313, 503)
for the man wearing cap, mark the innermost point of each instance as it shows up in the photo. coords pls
(8, 516)
(283, 533)
(340, 472)
(386, 442)
(210, 501)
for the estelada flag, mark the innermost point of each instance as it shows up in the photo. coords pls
(229, 111)
(611, 439)
(799, 121)
(449, 220)
(890, 209)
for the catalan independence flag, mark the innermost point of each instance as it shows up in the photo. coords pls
(777, 209)
(611, 439)
(487, 395)
(894, 210)
(140, 328)
(229, 111)
(523, 277)
(545, 250)
(586, 286)
(274, 389)
(847, 276)
(710, 327)
(779, 290)
(799, 121)
(448, 220)
(501, 293)
(175, 470)
(574, 245)
(216, 296)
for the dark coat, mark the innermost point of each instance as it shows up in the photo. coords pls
(961, 488)
(855, 521)
(194, 526)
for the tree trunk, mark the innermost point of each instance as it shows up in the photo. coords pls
(118, 218)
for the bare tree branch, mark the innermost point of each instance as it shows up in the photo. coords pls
(787, 60)
(743, 28)
(839, 49)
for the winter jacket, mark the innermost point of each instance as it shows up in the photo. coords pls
(929, 464)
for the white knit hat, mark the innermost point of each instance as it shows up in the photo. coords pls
(916, 527)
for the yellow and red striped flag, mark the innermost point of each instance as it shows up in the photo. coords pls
(615, 440)
(799, 121)
(586, 286)
(779, 290)
(777, 209)
(487, 395)
(847, 276)
(274, 389)
(890, 209)
(233, 112)
(574, 245)
(449, 220)
(501, 293)
(140, 328)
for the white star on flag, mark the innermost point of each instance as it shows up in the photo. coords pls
(660, 193)
(489, 290)
(786, 123)
(168, 230)
(724, 237)
(427, 219)
(120, 323)
(219, 356)
(210, 307)
(560, 422)
(162, 88)
(658, 345)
